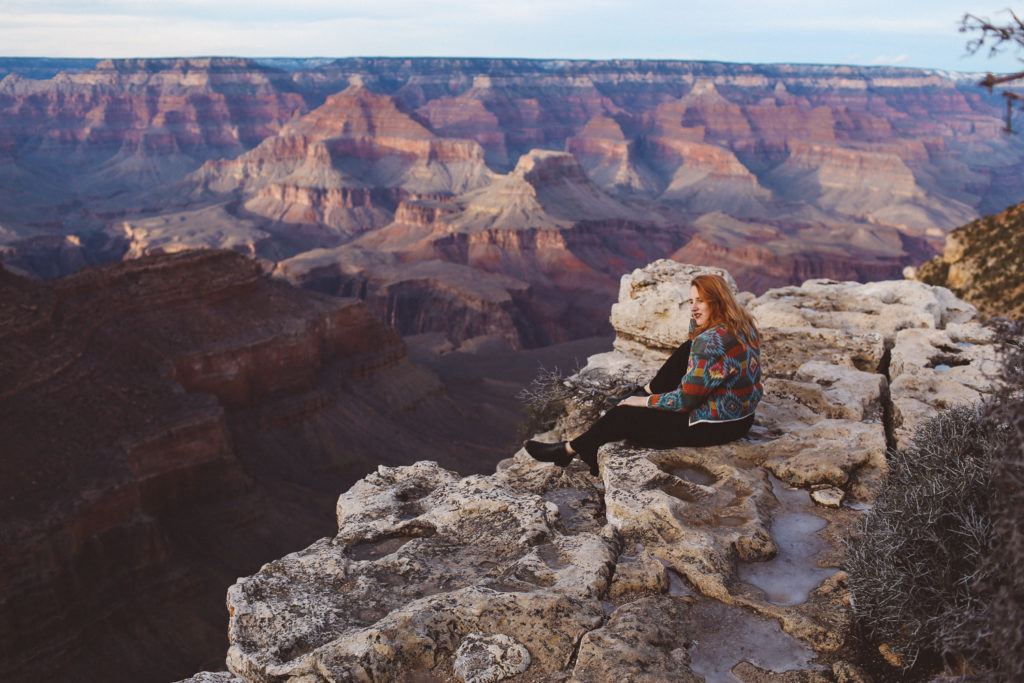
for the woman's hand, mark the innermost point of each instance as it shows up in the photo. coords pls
(637, 401)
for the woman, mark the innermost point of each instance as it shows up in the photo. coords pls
(704, 395)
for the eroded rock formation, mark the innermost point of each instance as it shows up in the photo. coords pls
(677, 564)
(532, 257)
(781, 173)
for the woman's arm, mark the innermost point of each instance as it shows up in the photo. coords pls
(706, 371)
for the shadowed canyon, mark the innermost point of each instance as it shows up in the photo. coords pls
(172, 422)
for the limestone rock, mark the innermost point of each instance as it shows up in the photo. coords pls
(935, 369)
(488, 658)
(644, 640)
(652, 316)
(485, 577)
(836, 391)
(787, 348)
(884, 307)
(830, 497)
(638, 574)
(422, 558)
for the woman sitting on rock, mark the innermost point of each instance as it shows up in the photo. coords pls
(704, 395)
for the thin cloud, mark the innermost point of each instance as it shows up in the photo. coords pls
(891, 60)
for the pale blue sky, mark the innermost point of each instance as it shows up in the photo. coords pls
(921, 33)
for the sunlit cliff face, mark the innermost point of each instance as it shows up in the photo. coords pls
(700, 310)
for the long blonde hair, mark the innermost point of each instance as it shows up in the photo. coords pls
(725, 310)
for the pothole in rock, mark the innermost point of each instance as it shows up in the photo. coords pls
(677, 584)
(726, 635)
(946, 363)
(684, 491)
(947, 348)
(413, 586)
(409, 511)
(730, 520)
(694, 474)
(707, 516)
(412, 493)
(789, 577)
(376, 549)
(511, 583)
(578, 510)
(552, 556)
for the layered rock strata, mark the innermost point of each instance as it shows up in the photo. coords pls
(676, 564)
(169, 424)
(532, 257)
(780, 173)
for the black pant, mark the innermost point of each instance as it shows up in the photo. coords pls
(660, 428)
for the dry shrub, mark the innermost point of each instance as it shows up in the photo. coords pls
(935, 567)
(551, 395)
(1003, 568)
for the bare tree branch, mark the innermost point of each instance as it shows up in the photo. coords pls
(996, 37)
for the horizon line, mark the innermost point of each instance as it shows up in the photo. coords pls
(504, 58)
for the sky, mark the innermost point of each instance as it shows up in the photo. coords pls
(918, 33)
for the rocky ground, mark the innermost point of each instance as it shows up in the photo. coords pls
(678, 564)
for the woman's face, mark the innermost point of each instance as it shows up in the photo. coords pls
(699, 309)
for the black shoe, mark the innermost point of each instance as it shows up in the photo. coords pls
(548, 452)
(591, 460)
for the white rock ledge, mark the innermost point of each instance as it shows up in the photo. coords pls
(535, 573)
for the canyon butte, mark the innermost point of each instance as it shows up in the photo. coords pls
(495, 197)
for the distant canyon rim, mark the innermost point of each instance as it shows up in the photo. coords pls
(495, 198)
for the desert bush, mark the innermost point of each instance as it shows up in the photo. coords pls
(915, 566)
(1003, 578)
(551, 395)
(934, 567)
(545, 399)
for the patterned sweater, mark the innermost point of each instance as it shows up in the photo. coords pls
(722, 381)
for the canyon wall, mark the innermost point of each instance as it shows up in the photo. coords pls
(170, 423)
(781, 172)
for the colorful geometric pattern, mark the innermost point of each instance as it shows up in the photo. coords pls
(722, 381)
